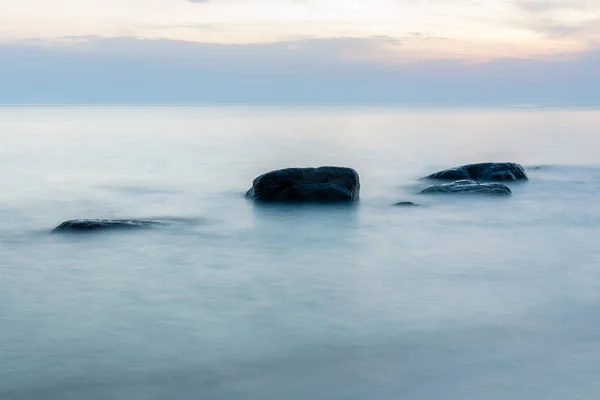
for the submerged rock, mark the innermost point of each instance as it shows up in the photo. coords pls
(406, 204)
(324, 184)
(88, 225)
(469, 187)
(486, 172)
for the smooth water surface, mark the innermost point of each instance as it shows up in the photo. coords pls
(461, 298)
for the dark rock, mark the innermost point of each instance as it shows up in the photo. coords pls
(406, 204)
(324, 184)
(485, 172)
(469, 187)
(89, 225)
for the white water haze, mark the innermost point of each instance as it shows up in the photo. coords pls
(459, 299)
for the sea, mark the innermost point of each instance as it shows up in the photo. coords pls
(459, 298)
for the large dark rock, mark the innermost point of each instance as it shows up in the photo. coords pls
(89, 225)
(469, 187)
(324, 184)
(485, 172)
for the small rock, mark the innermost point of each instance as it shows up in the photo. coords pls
(89, 225)
(485, 172)
(324, 184)
(469, 187)
(406, 204)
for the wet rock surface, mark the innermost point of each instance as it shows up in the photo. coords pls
(484, 172)
(323, 184)
(406, 204)
(469, 187)
(91, 225)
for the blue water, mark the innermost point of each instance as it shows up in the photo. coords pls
(461, 298)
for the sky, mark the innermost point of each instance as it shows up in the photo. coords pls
(236, 51)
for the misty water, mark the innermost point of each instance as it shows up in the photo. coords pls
(460, 298)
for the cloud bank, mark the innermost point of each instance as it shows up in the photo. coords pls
(94, 70)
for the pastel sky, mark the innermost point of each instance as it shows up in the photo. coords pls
(448, 38)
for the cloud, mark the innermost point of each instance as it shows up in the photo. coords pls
(560, 19)
(297, 52)
(553, 5)
(554, 29)
(130, 70)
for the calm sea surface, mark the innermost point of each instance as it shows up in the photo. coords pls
(460, 299)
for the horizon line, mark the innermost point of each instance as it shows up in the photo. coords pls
(275, 104)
